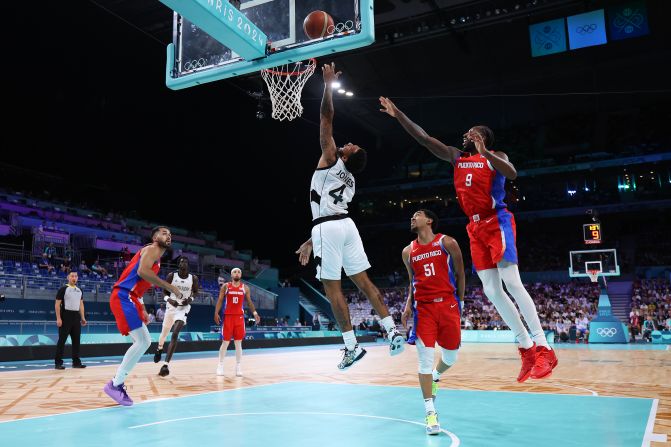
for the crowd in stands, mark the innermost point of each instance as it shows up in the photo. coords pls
(560, 306)
(650, 307)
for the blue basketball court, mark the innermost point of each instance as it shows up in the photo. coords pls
(308, 414)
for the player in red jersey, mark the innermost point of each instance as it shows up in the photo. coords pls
(128, 308)
(233, 326)
(479, 178)
(437, 282)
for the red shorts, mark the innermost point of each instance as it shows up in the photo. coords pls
(233, 327)
(493, 240)
(439, 323)
(127, 311)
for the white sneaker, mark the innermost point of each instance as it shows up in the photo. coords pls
(432, 424)
(396, 342)
(220, 369)
(238, 370)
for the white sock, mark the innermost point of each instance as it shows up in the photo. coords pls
(510, 275)
(350, 340)
(165, 363)
(141, 342)
(388, 324)
(428, 405)
(491, 285)
(436, 375)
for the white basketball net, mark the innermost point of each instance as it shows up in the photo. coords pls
(593, 275)
(285, 85)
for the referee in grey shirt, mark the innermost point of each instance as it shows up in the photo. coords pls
(69, 319)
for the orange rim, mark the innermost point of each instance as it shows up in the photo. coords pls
(290, 73)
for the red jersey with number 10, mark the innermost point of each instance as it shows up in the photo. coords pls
(480, 188)
(235, 296)
(433, 271)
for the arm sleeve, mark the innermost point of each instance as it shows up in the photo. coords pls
(60, 295)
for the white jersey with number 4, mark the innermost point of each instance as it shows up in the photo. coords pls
(331, 190)
(184, 285)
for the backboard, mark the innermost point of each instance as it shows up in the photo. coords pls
(269, 31)
(605, 261)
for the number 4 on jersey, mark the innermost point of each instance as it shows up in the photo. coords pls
(337, 194)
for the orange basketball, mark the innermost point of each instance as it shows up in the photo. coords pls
(318, 24)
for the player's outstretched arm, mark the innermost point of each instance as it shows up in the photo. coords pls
(250, 305)
(437, 148)
(407, 312)
(499, 160)
(453, 249)
(326, 113)
(151, 255)
(220, 300)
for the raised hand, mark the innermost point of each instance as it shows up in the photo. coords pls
(388, 107)
(477, 138)
(329, 73)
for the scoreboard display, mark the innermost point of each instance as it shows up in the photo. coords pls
(592, 233)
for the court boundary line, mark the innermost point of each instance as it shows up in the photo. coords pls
(477, 391)
(455, 441)
(648, 435)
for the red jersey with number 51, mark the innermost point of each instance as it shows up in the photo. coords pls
(234, 299)
(480, 188)
(432, 271)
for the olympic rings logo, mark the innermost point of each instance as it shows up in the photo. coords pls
(606, 332)
(194, 64)
(586, 29)
(340, 27)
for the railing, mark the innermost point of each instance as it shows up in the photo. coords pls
(22, 327)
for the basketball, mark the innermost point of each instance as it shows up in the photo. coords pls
(318, 24)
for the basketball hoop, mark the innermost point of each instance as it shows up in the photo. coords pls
(285, 85)
(593, 275)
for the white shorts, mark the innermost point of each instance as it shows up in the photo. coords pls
(336, 244)
(173, 314)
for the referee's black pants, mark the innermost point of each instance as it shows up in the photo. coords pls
(71, 326)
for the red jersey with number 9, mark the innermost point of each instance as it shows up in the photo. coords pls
(234, 299)
(433, 271)
(480, 188)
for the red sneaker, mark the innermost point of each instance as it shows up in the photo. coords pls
(528, 362)
(546, 360)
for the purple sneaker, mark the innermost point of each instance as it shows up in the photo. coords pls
(118, 393)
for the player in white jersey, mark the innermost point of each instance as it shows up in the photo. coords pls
(335, 239)
(176, 312)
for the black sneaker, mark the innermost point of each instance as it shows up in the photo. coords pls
(164, 371)
(157, 355)
(59, 367)
(79, 365)
(349, 358)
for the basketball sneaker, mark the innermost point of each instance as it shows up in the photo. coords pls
(220, 369)
(118, 394)
(432, 424)
(164, 371)
(528, 362)
(434, 389)
(238, 370)
(546, 360)
(157, 355)
(349, 358)
(396, 342)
